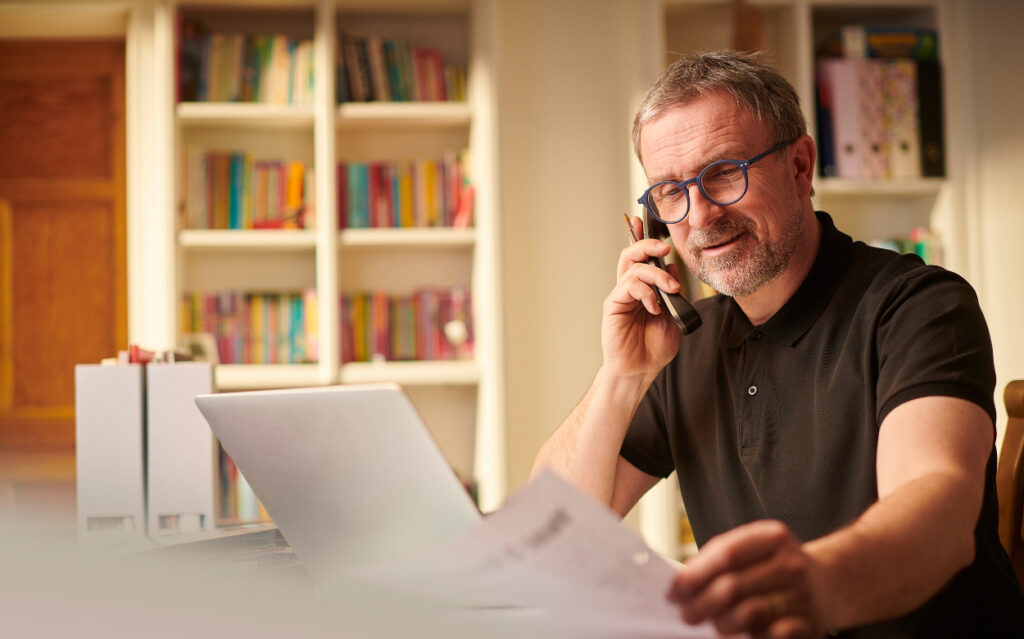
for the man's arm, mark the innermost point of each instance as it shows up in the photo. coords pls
(931, 462)
(637, 340)
(585, 448)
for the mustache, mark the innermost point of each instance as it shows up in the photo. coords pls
(723, 230)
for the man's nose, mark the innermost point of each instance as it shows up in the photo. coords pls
(703, 212)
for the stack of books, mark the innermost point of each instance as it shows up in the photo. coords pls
(430, 324)
(404, 194)
(236, 500)
(255, 328)
(243, 67)
(879, 104)
(374, 68)
(235, 190)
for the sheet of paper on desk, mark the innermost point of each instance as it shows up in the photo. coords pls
(552, 548)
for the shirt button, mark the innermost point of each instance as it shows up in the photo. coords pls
(752, 391)
(756, 336)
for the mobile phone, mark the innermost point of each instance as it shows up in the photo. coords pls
(679, 309)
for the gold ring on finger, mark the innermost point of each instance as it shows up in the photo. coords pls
(778, 604)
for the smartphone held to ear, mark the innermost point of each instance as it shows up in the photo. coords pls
(682, 312)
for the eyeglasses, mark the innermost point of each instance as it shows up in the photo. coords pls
(722, 182)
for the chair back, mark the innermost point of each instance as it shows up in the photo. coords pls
(1010, 478)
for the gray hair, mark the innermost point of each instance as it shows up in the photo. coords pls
(754, 85)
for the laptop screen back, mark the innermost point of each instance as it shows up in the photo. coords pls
(349, 474)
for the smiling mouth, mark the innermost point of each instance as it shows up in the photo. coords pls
(719, 245)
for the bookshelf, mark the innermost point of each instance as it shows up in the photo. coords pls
(460, 400)
(867, 209)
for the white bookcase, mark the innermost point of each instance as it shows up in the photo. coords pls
(461, 401)
(866, 209)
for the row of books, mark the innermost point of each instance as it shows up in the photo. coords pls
(429, 324)
(880, 41)
(412, 193)
(241, 67)
(374, 68)
(255, 328)
(237, 502)
(881, 118)
(234, 190)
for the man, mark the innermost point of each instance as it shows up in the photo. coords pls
(831, 422)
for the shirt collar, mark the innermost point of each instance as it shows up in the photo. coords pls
(798, 314)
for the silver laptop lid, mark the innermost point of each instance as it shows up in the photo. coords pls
(350, 474)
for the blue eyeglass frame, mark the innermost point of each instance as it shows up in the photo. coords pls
(685, 184)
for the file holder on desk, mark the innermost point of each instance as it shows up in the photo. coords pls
(145, 456)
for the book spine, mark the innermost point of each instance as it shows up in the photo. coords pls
(379, 81)
(929, 96)
(902, 118)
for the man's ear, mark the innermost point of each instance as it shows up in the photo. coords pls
(803, 156)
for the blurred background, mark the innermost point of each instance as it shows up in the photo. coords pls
(124, 124)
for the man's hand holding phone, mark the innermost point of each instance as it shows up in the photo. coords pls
(638, 334)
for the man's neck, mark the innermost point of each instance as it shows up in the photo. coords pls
(762, 304)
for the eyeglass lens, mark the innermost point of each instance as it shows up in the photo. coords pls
(723, 182)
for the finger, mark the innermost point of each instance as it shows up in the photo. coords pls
(673, 270)
(729, 552)
(653, 276)
(754, 614)
(789, 628)
(638, 226)
(646, 296)
(629, 292)
(639, 252)
(744, 592)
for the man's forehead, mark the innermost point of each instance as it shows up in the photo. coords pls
(701, 130)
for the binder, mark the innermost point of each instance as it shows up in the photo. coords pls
(181, 451)
(110, 452)
(859, 137)
(929, 95)
(902, 117)
(872, 112)
(825, 128)
(840, 79)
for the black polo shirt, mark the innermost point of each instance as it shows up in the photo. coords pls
(781, 420)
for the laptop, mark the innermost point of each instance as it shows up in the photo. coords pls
(349, 474)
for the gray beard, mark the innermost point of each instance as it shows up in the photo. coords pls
(738, 273)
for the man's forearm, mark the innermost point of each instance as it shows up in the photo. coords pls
(900, 552)
(585, 448)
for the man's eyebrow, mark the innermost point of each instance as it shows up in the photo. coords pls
(675, 177)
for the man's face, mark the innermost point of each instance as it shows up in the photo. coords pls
(739, 248)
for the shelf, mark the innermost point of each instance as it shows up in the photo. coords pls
(440, 373)
(408, 237)
(264, 240)
(244, 114)
(355, 115)
(257, 376)
(907, 187)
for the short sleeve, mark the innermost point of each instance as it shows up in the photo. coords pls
(932, 340)
(646, 444)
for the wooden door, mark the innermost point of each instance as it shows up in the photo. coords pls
(62, 256)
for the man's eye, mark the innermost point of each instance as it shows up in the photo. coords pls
(722, 172)
(669, 193)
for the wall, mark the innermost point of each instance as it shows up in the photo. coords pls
(568, 84)
(998, 205)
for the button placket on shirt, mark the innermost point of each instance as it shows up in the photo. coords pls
(750, 412)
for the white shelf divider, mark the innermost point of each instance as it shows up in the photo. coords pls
(416, 237)
(269, 239)
(256, 376)
(895, 187)
(431, 373)
(374, 114)
(243, 114)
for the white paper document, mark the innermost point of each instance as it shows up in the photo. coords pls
(553, 549)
